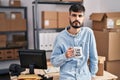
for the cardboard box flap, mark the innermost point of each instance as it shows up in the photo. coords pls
(113, 14)
(97, 16)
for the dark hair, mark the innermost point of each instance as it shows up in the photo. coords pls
(77, 8)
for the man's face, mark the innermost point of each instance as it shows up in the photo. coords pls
(76, 19)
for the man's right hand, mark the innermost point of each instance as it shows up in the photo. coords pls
(70, 53)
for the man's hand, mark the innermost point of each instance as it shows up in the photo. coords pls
(93, 78)
(69, 53)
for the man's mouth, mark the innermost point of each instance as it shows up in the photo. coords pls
(76, 22)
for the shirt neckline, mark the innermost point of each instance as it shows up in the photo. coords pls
(66, 29)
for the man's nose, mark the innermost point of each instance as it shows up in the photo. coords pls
(77, 17)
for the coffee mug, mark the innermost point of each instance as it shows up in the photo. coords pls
(78, 52)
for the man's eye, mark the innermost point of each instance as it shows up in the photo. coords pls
(80, 15)
(74, 15)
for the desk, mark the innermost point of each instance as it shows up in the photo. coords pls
(106, 75)
(29, 77)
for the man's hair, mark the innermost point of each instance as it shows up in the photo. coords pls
(77, 8)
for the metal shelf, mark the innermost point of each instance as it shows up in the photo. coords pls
(56, 2)
(9, 7)
(8, 32)
(50, 30)
(7, 10)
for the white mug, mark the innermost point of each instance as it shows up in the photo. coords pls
(77, 52)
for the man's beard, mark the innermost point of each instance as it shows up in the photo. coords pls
(75, 23)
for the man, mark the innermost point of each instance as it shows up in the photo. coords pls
(75, 39)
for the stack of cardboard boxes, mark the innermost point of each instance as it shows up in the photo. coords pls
(9, 54)
(10, 22)
(49, 19)
(106, 28)
(73, 0)
(63, 0)
(54, 19)
(17, 22)
(15, 3)
(3, 40)
(12, 3)
(4, 22)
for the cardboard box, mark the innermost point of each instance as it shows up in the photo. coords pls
(11, 44)
(108, 44)
(4, 25)
(49, 19)
(4, 22)
(19, 37)
(21, 43)
(18, 25)
(49, 0)
(63, 23)
(73, 0)
(16, 15)
(9, 54)
(16, 54)
(3, 40)
(2, 55)
(101, 60)
(113, 67)
(15, 3)
(102, 21)
(2, 15)
(17, 44)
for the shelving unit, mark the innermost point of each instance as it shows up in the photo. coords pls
(54, 2)
(14, 31)
(37, 29)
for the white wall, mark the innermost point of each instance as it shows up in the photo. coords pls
(110, 5)
(90, 5)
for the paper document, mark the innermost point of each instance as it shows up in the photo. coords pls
(52, 70)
